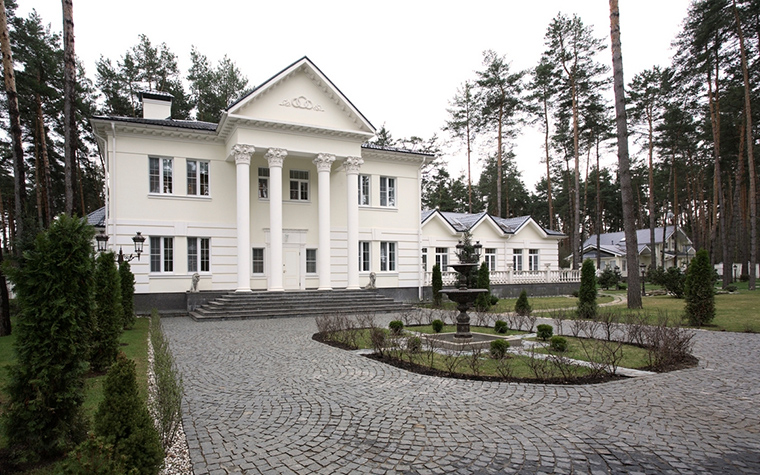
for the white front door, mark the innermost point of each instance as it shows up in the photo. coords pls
(291, 263)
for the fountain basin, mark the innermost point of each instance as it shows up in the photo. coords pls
(482, 341)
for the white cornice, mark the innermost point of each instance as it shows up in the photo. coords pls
(152, 130)
(233, 121)
(385, 155)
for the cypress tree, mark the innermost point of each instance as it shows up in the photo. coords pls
(483, 302)
(699, 290)
(127, 279)
(437, 285)
(109, 320)
(522, 306)
(587, 292)
(53, 289)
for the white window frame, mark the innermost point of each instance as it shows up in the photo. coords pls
(365, 190)
(302, 185)
(164, 175)
(533, 259)
(198, 255)
(311, 259)
(517, 259)
(161, 255)
(258, 260)
(388, 256)
(388, 191)
(198, 185)
(490, 258)
(263, 183)
(365, 256)
(442, 258)
(424, 259)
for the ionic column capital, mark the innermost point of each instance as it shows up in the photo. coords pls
(275, 157)
(324, 162)
(242, 153)
(352, 164)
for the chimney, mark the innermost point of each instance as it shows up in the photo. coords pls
(156, 105)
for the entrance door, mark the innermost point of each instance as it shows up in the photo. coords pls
(291, 261)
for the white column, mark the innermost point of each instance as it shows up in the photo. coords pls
(275, 157)
(352, 165)
(324, 163)
(242, 154)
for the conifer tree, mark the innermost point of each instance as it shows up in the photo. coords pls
(109, 319)
(483, 302)
(127, 280)
(699, 290)
(437, 285)
(587, 292)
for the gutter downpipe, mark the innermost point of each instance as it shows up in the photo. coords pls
(106, 155)
(420, 272)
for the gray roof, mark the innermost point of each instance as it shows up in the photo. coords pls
(462, 222)
(642, 237)
(177, 124)
(97, 218)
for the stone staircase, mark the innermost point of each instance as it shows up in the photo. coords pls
(306, 303)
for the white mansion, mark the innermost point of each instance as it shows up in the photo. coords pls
(282, 194)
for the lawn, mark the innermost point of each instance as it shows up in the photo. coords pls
(536, 303)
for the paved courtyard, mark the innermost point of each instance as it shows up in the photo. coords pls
(263, 397)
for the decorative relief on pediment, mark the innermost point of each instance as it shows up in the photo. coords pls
(302, 102)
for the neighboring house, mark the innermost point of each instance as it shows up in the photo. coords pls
(282, 194)
(516, 250)
(678, 248)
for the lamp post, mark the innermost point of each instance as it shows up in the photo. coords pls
(734, 273)
(643, 268)
(138, 239)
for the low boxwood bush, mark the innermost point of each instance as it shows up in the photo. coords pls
(499, 349)
(414, 344)
(437, 325)
(558, 343)
(396, 326)
(544, 331)
(500, 326)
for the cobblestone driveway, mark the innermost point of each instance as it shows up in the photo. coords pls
(262, 397)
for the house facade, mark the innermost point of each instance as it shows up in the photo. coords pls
(282, 194)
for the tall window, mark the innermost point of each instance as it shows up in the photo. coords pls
(424, 259)
(197, 178)
(490, 259)
(299, 185)
(160, 174)
(442, 258)
(517, 261)
(387, 191)
(364, 256)
(161, 254)
(533, 259)
(363, 190)
(263, 182)
(388, 256)
(311, 261)
(198, 254)
(257, 254)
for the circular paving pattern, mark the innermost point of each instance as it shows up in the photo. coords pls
(263, 397)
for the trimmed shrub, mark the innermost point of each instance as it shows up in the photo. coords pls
(53, 291)
(437, 285)
(499, 349)
(500, 326)
(609, 278)
(699, 290)
(396, 327)
(544, 331)
(414, 344)
(127, 280)
(93, 456)
(558, 343)
(109, 320)
(122, 419)
(731, 288)
(522, 306)
(437, 325)
(494, 300)
(166, 405)
(622, 286)
(587, 291)
(483, 301)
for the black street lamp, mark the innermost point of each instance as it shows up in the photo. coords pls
(734, 273)
(643, 268)
(138, 239)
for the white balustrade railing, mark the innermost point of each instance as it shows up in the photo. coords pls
(515, 277)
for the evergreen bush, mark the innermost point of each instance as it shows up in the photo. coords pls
(437, 285)
(414, 344)
(93, 457)
(699, 290)
(167, 393)
(609, 278)
(53, 287)
(500, 326)
(437, 325)
(544, 331)
(483, 301)
(122, 419)
(396, 326)
(499, 349)
(109, 320)
(127, 279)
(558, 343)
(587, 291)
(674, 281)
(522, 306)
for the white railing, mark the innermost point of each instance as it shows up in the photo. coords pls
(515, 277)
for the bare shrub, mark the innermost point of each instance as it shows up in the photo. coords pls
(559, 317)
(505, 366)
(576, 326)
(667, 345)
(482, 319)
(407, 316)
(607, 323)
(562, 366)
(377, 337)
(451, 360)
(474, 360)
(634, 328)
(366, 320)
(530, 322)
(541, 367)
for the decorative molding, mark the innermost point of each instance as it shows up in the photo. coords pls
(353, 164)
(242, 153)
(324, 162)
(302, 102)
(275, 156)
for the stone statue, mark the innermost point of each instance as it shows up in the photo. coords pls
(371, 284)
(196, 279)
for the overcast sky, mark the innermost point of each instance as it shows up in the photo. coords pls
(399, 62)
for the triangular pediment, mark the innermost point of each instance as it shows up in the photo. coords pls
(302, 96)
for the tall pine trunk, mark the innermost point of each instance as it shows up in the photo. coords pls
(548, 169)
(624, 172)
(69, 103)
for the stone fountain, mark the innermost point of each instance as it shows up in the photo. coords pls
(469, 256)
